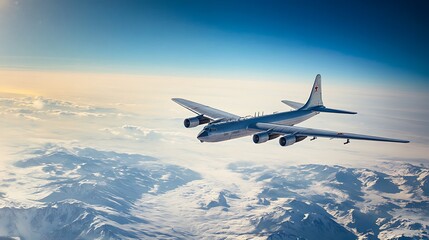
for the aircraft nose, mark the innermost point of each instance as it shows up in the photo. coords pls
(202, 135)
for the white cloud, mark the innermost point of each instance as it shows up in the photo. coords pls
(38, 103)
(44, 108)
(140, 133)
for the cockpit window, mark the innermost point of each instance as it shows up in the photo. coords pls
(211, 129)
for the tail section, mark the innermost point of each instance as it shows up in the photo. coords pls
(292, 104)
(315, 99)
(315, 102)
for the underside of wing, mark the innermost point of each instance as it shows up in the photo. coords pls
(207, 111)
(301, 131)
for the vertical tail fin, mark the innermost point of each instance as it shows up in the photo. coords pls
(315, 98)
(315, 102)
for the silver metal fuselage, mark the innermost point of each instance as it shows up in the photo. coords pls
(222, 131)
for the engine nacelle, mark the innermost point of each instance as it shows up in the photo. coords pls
(263, 137)
(288, 140)
(195, 121)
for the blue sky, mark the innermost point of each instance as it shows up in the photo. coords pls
(373, 41)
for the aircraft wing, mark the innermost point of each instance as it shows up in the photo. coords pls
(207, 111)
(301, 131)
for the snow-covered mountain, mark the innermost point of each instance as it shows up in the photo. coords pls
(326, 202)
(84, 193)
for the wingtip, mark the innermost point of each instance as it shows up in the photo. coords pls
(348, 112)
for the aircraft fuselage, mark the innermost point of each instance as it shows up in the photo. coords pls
(222, 131)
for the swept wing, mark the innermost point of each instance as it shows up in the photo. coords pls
(301, 131)
(200, 109)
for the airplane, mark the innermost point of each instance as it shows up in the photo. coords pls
(222, 126)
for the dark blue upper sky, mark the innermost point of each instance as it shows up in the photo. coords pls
(218, 37)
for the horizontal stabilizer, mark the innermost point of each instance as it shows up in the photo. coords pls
(330, 110)
(292, 104)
